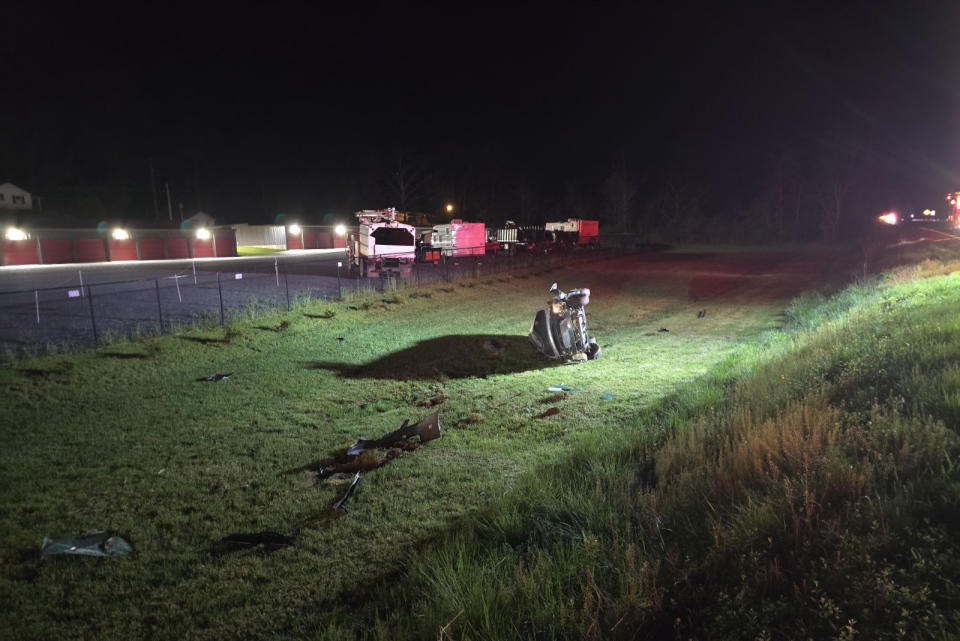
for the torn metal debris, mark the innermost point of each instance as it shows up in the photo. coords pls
(342, 503)
(427, 429)
(213, 378)
(247, 540)
(93, 544)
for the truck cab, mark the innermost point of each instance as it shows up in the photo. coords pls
(382, 247)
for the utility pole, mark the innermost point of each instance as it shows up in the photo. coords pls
(181, 211)
(153, 190)
(169, 206)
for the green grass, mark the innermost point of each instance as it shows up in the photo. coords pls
(806, 487)
(257, 251)
(612, 517)
(125, 439)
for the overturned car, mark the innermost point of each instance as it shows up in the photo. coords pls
(560, 329)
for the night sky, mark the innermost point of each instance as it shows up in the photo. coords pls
(248, 111)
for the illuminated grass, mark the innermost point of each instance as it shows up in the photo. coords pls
(125, 439)
(809, 484)
(257, 251)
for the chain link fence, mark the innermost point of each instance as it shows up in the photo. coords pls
(95, 313)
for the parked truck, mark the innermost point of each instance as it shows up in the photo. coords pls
(513, 238)
(577, 231)
(456, 239)
(382, 246)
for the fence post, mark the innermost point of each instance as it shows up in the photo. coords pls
(36, 301)
(93, 318)
(220, 292)
(339, 287)
(156, 282)
(286, 285)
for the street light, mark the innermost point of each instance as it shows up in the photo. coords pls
(340, 230)
(15, 234)
(203, 233)
(449, 208)
(294, 229)
(120, 234)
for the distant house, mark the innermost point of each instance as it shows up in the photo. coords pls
(199, 219)
(13, 197)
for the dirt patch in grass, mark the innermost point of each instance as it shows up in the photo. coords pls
(283, 326)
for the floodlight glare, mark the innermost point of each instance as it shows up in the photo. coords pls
(294, 228)
(340, 230)
(15, 234)
(120, 234)
(890, 218)
(449, 208)
(203, 233)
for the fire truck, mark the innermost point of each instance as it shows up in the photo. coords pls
(383, 247)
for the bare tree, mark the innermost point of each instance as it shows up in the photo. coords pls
(830, 199)
(620, 191)
(409, 181)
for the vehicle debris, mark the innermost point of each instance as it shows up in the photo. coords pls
(553, 411)
(93, 544)
(702, 313)
(663, 329)
(246, 540)
(213, 378)
(560, 329)
(342, 503)
(436, 400)
(607, 396)
(427, 429)
(561, 388)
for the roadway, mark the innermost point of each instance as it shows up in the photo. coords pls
(319, 262)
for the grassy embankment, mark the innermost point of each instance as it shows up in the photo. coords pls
(125, 439)
(807, 487)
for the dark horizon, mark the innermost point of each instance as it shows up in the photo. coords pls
(510, 113)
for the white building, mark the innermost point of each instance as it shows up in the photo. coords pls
(12, 197)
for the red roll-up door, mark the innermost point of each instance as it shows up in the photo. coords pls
(56, 250)
(202, 248)
(151, 248)
(123, 249)
(19, 252)
(226, 243)
(178, 248)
